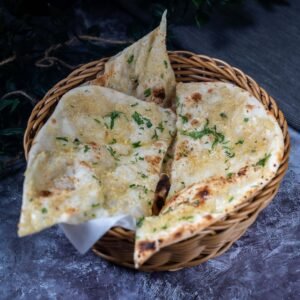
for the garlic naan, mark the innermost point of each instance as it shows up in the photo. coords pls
(227, 148)
(143, 70)
(99, 154)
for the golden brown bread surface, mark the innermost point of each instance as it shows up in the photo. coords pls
(227, 148)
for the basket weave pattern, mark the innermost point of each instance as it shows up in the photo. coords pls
(117, 244)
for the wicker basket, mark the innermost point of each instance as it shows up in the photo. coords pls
(117, 244)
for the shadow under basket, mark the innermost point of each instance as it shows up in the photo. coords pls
(117, 244)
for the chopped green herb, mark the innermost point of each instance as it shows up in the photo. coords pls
(114, 141)
(130, 59)
(239, 142)
(262, 162)
(229, 175)
(140, 120)
(184, 119)
(223, 115)
(98, 121)
(136, 144)
(162, 76)
(94, 205)
(148, 122)
(86, 148)
(246, 120)
(164, 227)
(229, 154)
(30, 200)
(140, 222)
(76, 142)
(154, 229)
(154, 136)
(142, 175)
(62, 138)
(96, 178)
(230, 199)
(136, 186)
(112, 152)
(44, 210)
(187, 218)
(166, 63)
(160, 127)
(113, 116)
(133, 105)
(147, 92)
(218, 136)
(177, 101)
(141, 158)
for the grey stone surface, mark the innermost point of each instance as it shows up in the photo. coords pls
(263, 264)
(264, 43)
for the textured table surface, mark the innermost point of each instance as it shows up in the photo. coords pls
(263, 264)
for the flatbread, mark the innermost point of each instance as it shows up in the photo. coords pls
(98, 155)
(143, 70)
(227, 148)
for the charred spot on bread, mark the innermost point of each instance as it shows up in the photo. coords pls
(159, 93)
(45, 193)
(195, 122)
(242, 171)
(85, 164)
(249, 106)
(197, 97)
(178, 234)
(161, 193)
(99, 81)
(153, 162)
(202, 194)
(208, 217)
(146, 245)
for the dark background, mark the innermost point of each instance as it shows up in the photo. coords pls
(43, 41)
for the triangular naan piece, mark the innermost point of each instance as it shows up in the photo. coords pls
(143, 70)
(98, 155)
(227, 148)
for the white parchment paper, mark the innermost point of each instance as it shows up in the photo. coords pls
(84, 236)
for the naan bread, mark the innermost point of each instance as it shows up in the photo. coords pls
(143, 70)
(99, 154)
(227, 148)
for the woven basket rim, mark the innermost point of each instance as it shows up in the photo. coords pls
(197, 64)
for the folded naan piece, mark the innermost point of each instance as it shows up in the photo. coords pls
(227, 148)
(143, 70)
(98, 155)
